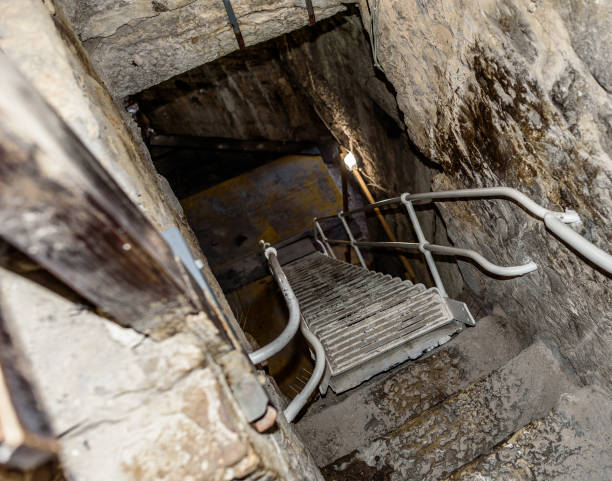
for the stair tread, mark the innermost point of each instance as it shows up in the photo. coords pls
(467, 425)
(337, 424)
(573, 442)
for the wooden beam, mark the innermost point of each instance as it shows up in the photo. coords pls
(60, 207)
(345, 201)
(237, 145)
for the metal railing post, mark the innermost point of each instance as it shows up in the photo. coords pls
(422, 242)
(324, 238)
(351, 239)
(299, 401)
(295, 321)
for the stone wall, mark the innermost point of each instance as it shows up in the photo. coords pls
(245, 95)
(304, 86)
(332, 64)
(124, 406)
(137, 44)
(517, 94)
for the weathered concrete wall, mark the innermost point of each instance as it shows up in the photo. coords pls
(516, 93)
(126, 407)
(137, 44)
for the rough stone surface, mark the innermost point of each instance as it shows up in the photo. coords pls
(469, 424)
(572, 442)
(61, 71)
(338, 424)
(298, 457)
(141, 43)
(126, 407)
(301, 87)
(333, 66)
(245, 95)
(515, 93)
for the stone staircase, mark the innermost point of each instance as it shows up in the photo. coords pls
(488, 405)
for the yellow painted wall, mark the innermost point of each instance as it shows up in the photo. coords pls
(274, 202)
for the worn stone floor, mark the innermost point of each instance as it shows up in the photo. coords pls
(489, 406)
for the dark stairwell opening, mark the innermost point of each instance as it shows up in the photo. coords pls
(250, 144)
(472, 96)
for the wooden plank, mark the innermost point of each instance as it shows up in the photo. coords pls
(60, 207)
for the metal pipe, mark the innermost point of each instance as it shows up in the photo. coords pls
(505, 271)
(299, 401)
(431, 264)
(487, 192)
(553, 220)
(352, 239)
(504, 192)
(596, 255)
(345, 242)
(290, 330)
(375, 205)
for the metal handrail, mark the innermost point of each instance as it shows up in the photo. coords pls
(296, 405)
(299, 401)
(505, 271)
(291, 329)
(554, 221)
(536, 209)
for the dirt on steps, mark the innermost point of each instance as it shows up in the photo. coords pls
(573, 442)
(338, 424)
(467, 425)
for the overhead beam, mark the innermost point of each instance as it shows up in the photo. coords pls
(218, 143)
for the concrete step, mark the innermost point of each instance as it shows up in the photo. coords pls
(469, 424)
(573, 442)
(338, 424)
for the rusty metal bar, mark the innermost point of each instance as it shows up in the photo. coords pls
(311, 15)
(231, 16)
(318, 231)
(352, 239)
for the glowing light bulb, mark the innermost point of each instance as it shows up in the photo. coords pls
(349, 161)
